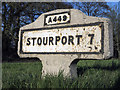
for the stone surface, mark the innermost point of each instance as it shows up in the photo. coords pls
(53, 63)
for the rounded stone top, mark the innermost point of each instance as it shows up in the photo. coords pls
(76, 17)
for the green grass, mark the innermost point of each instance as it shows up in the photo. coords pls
(92, 74)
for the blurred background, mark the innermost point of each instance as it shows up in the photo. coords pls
(92, 73)
(16, 15)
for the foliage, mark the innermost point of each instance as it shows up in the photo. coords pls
(93, 8)
(114, 15)
(15, 15)
(102, 9)
(92, 74)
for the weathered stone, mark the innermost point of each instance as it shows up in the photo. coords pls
(53, 63)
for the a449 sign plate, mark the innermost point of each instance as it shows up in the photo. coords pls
(86, 39)
(57, 18)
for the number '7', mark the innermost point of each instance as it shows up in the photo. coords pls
(91, 35)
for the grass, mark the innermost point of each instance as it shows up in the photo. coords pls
(92, 74)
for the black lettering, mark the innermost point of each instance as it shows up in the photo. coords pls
(59, 18)
(39, 41)
(91, 40)
(78, 39)
(64, 40)
(71, 38)
(64, 18)
(57, 39)
(33, 40)
(51, 40)
(28, 41)
(45, 41)
(50, 20)
(55, 19)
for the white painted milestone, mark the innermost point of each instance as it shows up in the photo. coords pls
(61, 37)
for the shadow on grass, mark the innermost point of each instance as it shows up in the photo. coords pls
(114, 67)
(117, 84)
(82, 70)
